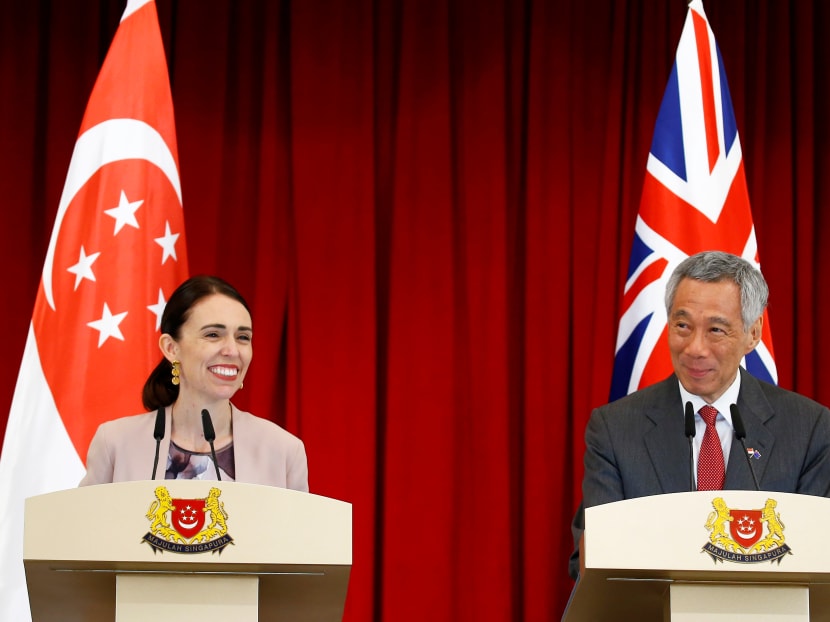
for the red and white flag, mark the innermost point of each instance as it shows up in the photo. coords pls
(694, 199)
(117, 252)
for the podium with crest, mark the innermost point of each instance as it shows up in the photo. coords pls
(186, 550)
(704, 556)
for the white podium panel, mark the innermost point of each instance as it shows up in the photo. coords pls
(142, 550)
(719, 555)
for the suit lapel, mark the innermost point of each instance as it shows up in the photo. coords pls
(666, 442)
(755, 412)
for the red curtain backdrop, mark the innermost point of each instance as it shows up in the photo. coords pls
(430, 205)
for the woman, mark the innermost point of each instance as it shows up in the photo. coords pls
(206, 342)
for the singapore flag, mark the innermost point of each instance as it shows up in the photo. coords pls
(116, 253)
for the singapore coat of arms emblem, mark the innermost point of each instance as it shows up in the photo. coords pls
(745, 536)
(182, 525)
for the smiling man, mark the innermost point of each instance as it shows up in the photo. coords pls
(637, 446)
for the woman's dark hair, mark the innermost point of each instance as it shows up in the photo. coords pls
(158, 390)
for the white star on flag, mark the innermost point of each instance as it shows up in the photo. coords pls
(83, 269)
(168, 243)
(158, 308)
(107, 326)
(124, 214)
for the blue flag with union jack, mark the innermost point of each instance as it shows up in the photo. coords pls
(694, 199)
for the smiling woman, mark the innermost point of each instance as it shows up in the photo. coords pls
(206, 342)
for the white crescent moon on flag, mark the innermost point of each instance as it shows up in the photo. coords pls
(105, 143)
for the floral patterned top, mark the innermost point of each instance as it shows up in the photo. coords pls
(186, 464)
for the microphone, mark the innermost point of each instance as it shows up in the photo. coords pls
(690, 434)
(740, 432)
(210, 436)
(158, 434)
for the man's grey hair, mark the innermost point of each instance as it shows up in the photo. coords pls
(717, 266)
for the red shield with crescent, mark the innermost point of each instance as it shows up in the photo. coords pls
(188, 516)
(746, 527)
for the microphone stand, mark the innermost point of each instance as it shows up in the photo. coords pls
(158, 434)
(210, 436)
(740, 432)
(690, 434)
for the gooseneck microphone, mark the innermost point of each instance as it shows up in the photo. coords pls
(740, 432)
(210, 436)
(690, 434)
(158, 434)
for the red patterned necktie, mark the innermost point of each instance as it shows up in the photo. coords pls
(710, 469)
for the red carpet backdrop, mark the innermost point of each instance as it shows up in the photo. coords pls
(430, 206)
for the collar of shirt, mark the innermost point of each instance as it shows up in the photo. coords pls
(723, 424)
(722, 404)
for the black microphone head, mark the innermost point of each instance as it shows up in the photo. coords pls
(690, 420)
(207, 424)
(740, 433)
(158, 431)
(737, 422)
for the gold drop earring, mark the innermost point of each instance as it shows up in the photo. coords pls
(175, 371)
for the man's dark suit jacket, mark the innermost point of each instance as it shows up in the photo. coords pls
(636, 446)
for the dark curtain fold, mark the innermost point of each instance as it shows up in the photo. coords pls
(429, 205)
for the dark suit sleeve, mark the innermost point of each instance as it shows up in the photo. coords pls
(815, 473)
(577, 528)
(601, 483)
(798, 458)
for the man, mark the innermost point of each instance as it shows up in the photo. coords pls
(637, 445)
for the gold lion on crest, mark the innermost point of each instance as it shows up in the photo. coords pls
(716, 523)
(775, 528)
(218, 527)
(157, 514)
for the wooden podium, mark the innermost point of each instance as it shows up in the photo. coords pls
(705, 556)
(249, 553)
